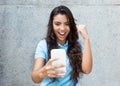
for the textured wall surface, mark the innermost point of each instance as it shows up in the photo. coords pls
(23, 23)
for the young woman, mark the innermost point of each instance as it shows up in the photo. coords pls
(62, 34)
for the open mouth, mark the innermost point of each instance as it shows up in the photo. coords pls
(61, 34)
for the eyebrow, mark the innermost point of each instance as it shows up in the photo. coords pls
(60, 22)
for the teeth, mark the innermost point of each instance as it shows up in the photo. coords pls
(62, 33)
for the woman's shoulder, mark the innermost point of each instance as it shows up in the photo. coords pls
(42, 42)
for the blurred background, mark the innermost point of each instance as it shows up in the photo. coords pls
(23, 23)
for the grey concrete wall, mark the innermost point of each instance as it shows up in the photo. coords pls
(23, 23)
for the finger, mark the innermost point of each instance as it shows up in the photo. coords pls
(60, 72)
(57, 66)
(51, 72)
(43, 69)
(47, 68)
(55, 72)
(59, 76)
(82, 26)
(51, 60)
(79, 28)
(54, 76)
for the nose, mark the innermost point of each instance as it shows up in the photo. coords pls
(62, 27)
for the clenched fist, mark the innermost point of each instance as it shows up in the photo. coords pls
(82, 30)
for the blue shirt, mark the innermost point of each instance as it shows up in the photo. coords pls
(41, 52)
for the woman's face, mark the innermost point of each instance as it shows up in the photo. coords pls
(61, 28)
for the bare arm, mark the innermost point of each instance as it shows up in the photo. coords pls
(36, 73)
(87, 53)
(87, 57)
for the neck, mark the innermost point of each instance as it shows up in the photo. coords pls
(62, 42)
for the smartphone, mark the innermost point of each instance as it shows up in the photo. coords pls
(61, 55)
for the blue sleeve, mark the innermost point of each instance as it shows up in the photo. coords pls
(41, 50)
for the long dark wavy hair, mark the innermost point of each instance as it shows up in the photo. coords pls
(74, 51)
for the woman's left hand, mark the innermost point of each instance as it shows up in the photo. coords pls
(82, 30)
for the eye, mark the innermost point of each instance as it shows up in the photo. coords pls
(67, 24)
(57, 23)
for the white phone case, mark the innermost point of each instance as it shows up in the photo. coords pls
(61, 54)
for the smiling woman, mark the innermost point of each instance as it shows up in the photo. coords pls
(62, 34)
(61, 27)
